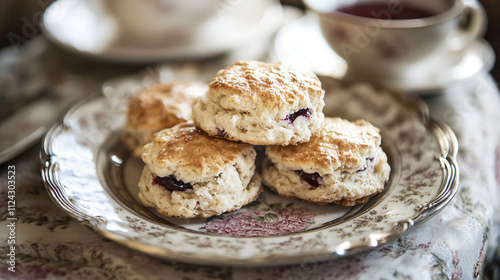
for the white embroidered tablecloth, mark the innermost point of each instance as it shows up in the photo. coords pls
(50, 245)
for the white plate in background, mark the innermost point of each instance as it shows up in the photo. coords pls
(85, 27)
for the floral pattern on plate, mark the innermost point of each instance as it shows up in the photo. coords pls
(89, 175)
(262, 219)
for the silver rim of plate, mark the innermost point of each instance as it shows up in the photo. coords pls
(84, 167)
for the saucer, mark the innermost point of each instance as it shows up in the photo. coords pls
(86, 28)
(301, 43)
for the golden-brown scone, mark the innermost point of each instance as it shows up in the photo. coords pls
(261, 104)
(158, 107)
(190, 174)
(343, 163)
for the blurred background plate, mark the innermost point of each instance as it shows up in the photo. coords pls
(237, 24)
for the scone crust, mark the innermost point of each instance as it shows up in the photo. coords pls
(190, 154)
(269, 86)
(347, 155)
(250, 101)
(221, 173)
(340, 187)
(340, 144)
(160, 106)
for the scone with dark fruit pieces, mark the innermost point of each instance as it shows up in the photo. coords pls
(342, 164)
(158, 107)
(261, 104)
(190, 174)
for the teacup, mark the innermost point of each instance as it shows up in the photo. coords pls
(159, 22)
(380, 39)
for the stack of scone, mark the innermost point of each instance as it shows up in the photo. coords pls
(208, 167)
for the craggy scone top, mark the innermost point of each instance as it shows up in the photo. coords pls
(339, 145)
(163, 105)
(190, 154)
(268, 87)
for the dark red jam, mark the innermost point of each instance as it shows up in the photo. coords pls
(313, 179)
(307, 113)
(221, 132)
(171, 183)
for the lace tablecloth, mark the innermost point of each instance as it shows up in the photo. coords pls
(454, 244)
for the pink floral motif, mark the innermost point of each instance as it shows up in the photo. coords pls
(457, 271)
(262, 223)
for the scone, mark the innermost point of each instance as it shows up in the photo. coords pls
(158, 107)
(342, 164)
(190, 174)
(261, 104)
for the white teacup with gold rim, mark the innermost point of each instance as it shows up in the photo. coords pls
(381, 40)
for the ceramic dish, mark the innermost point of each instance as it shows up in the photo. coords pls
(86, 28)
(301, 43)
(89, 174)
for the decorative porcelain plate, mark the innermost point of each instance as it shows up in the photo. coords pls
(90, 175)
